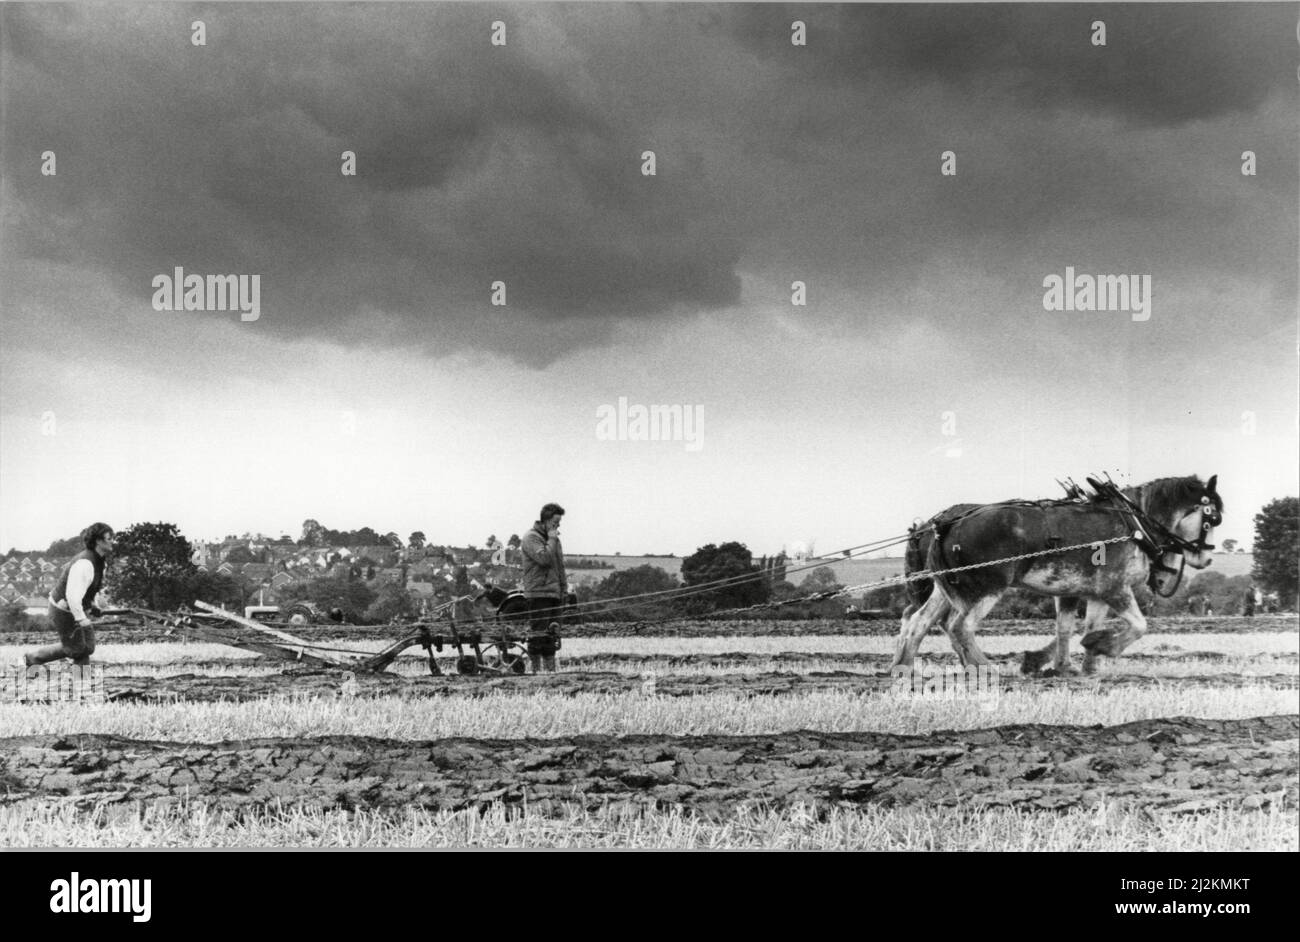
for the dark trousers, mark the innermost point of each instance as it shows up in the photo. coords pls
(542, 614)
(75, 642)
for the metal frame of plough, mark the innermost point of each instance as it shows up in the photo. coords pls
(489, 651)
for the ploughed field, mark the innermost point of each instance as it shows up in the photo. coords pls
(777, 737)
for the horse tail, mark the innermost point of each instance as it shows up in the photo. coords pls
(914, 560)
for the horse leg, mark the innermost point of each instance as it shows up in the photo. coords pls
(916, 625)
(1096, 613)
(1067, 621)
(963, 641)
(1137, 626)
(1033, 661)
(1109, 642)
(961, 630)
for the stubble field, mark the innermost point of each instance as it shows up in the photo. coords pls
(778, 739)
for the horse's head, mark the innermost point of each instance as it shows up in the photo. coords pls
(1191, 509)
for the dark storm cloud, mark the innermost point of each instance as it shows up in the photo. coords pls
(522, 164)
(1163, 64)
(476, 164)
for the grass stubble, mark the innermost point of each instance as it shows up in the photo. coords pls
(1110, 827)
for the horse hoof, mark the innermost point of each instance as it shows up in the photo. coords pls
(1061, 672)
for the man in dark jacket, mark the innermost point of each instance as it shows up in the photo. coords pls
(72, 601)
(545, 586)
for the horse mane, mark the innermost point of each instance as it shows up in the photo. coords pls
(1161, 497)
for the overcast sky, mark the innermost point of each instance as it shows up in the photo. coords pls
(380, 386)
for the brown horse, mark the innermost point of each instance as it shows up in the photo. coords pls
(1161, 523)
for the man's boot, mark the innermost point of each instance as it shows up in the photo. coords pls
(536, 661)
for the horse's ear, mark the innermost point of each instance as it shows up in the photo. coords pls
(1209, 485)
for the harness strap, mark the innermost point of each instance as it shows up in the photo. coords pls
(936, 548)
(1155, 549)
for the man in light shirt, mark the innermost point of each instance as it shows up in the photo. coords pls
(73, 600)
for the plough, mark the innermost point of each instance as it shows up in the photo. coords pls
(478, 650)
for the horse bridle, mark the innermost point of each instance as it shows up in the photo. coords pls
(1157, 540)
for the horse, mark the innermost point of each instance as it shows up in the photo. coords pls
(919, 538)
(1127, 536)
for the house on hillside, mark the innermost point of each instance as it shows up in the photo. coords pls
(258, 572)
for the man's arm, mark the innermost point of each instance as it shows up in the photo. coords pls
(558, 550)
(80, 576)
(537, 549)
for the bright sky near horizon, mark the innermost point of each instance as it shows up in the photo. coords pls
(380, 387)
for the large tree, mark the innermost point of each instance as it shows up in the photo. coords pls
(313, 534)
(393, 601)
(61, 548)
(416, 540)
(638, 580)
(151, 567)
(629, 584)
(242, 554)
(1277, 548)
(820, 579)
(366, 536)
(219, 589)
(711, 563)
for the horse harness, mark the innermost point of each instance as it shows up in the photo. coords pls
(940, 528)
(1154, 538)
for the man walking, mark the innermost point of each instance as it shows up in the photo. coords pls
(545, 586)
(72, 601)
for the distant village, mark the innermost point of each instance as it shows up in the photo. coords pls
(265, 566)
